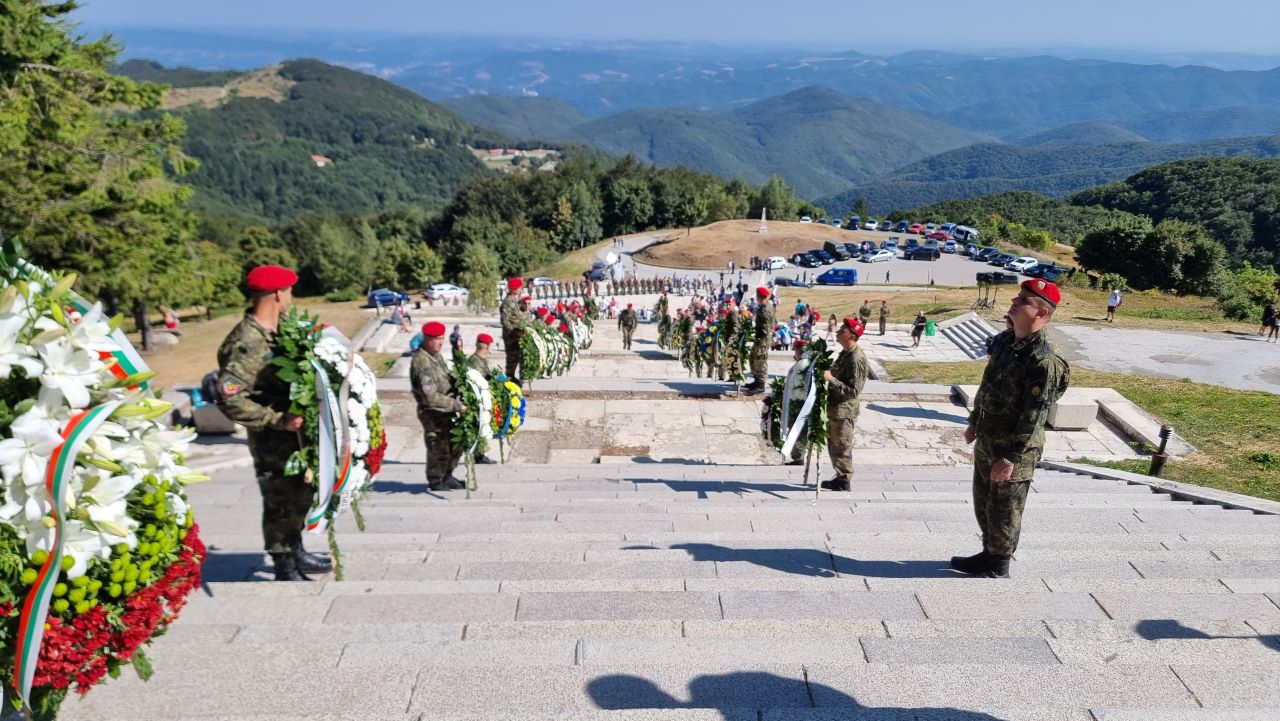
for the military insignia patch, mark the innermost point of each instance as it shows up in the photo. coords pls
(1039, 285)
(428, 386)
(230, 386)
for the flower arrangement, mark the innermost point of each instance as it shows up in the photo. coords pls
(664, 331)
(795, 412)
(546, 351)
(508, 409)
(471, 427)
(335, 393)
(736, 349)
(98, 546)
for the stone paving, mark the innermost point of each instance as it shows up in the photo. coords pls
(692, 589)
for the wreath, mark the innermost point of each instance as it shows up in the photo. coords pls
(472, 426)
(508, 409)
(795, 412)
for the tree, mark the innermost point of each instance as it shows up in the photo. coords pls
(481, 276)
(861, 209)
(628, 205)
(778, 197)
(82, 185)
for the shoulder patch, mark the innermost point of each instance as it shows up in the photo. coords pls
(229, 385)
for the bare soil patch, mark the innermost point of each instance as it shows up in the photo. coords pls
(711, 246)
(264, 82)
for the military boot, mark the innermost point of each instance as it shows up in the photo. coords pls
(839, 483)
(310, 562)
(998, 567)
(485, 460)
(448, 483)
(287, 568)
(754, 388)
(975, 564)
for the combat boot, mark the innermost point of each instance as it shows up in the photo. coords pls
(754, 388)
(975, 564)
(287, 568)
(485, 460)
(998, 567)
(310, 562)
(839, 483)
(448, 483)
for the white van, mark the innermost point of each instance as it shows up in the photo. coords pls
(777, 262)
(965, 234)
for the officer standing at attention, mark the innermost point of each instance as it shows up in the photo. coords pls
(884, 315)
(480, 361)
(864, 313)
(627, 322)
(513, 319)
(1024, 377)
(437, 403)
(845, 381)
(252, 394)
(762, 339)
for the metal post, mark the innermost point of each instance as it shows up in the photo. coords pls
(1159, 457)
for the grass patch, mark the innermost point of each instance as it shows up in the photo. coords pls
(938, 303)
(1236, 432)
(380, 363)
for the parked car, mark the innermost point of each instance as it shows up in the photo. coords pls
(823, 256)
(836, 249)
(790, 282)
(542, 280)
(930, 228)
(890, 244)
(447, 291)
(912, 242)
(878, 256)
(824, 221)
(920, 253)
(805, 260)
(867, 246)
(938, 236)
(949, 246)
(986, 254)
(914, 228)
(777, 262)
(964, 233)
(970, 249)
(855, 222)
(806, 219)
(901, 227)
(386, 296)
(870, 224)
(854, 249)
(931, 244)
(598, 271)
(1023, 264)
(1048, 271)
(1000, 260)
(837, 223)
(946, 228)
(839, 276)
(886, 225)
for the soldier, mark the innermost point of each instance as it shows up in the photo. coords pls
(797, 453)
(480, 361)
(884, 315)
(513, 318)
(252, 394)
(864, 313)
(762, 339)
(437, 403)
(627, 322)
(1024, 377)
(845, 381)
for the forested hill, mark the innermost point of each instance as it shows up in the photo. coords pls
(527, 117)
(256, 136)
(1057, 170)
(1236, 200)
(1067, 223)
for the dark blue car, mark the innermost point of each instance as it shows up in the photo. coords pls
(839, 276)
(386, 296)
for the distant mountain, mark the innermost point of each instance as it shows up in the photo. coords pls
(526, 117)
(1202, 124)
(152, 72)
(1054, 171)
(380, 145)
(819, 140)
(1090, 133)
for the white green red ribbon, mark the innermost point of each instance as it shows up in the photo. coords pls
(35, 609)
(333, 474)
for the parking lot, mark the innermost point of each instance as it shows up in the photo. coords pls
(949, 269)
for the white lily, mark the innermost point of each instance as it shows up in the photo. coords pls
(92, 333)
(69, 372)
(26, 454)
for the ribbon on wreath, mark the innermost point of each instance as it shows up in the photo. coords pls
(127, 362)
(792, 434)
(333, 472)
(57, 478)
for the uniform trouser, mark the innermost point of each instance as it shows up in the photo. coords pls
(760, 368)
(511, 345)
(626, 336)
(442, 457)
(840, 439)
(998, 506)
(882, 326)
(285, 502)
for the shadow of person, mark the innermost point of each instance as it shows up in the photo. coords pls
(745, 695)
(1154, 629)
(816, 562)
(920, 413)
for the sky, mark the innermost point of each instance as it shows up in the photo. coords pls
(1233, 26)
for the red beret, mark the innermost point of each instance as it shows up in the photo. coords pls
(523, 298)
(268, 278)
(762, 291)
(798, 343)
(514, 284)
(540, 312)
(855, 326)
(433, 329)
(564, 328)
(630, 305)
(484, 338)
(1044, 289)
(551, 319)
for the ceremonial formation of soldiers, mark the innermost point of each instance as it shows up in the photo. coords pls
(1023, 378)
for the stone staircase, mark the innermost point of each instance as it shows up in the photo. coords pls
(969, 332)
(685, 592)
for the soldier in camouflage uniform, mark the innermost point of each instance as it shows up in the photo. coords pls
(627, 322)
(884, 315)
(762, 340)
(252, 394)
(864, 313)
(480, 361)
(438, 403)
(513, 319)
(1023, 379)
(845, 381)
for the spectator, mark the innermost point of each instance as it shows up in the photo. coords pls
(455, 338)
(917, 328)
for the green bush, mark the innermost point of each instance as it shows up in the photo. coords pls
(341, 296)
(1240, 306)
(1111, 281)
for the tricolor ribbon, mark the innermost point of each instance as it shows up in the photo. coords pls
(127, 361)
(328, 479)
(35, 609)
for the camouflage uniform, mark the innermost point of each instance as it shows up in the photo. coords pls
(864, 315)
(1022, 380)
(252, 394)
(437, 403)
(884, 317)
(850, 375)
(627, 322)
(512, 320)
(762, 340)
(481, 364)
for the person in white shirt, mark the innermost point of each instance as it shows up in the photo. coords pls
(1112, 303)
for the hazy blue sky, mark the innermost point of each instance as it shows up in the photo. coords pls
(1248, 26)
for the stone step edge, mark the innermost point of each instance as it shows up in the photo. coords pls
(1180, 491)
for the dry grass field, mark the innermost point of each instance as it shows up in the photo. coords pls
(261, 83)
(710, 246)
